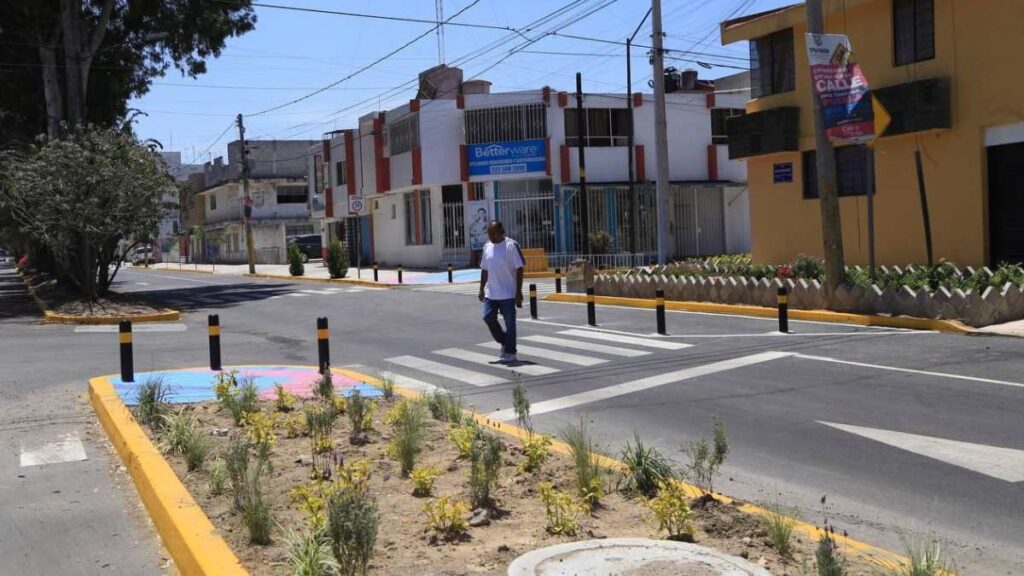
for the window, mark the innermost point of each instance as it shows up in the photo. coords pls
(394, 211)
(404, 135)
(604, 127)
(340, 174)
(318, 171)
(417, 218)
(291, 194)
(913, 31)
(213, 201)
(506, 124)
(772, 69)
(851, 170)
(718, 118)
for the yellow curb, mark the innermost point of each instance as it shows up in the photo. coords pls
(878, 556)
(745, 310)
(185, 530)
(355, 281)
(51, 317)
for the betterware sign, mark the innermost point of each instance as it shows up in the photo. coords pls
(518, 157)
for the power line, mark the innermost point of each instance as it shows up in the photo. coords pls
(377, 16)
(214, 143)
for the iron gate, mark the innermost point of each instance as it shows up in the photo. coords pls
(528, 216)
(455, 250)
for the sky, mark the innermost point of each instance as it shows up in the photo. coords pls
(291, 54)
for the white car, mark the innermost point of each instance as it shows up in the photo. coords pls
(142, 255)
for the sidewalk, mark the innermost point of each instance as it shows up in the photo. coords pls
(316, 269)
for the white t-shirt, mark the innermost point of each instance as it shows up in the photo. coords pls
(501, 261)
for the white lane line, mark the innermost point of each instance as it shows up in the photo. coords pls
(297, 294)
(599, 394)
(489, 360)
(621, 339)
(566, 343)
(556, 355)
(173, 277)
(1002, 463)
(910, 370)
(111, 328)
(869, 331)
(446, 371)
(307, 291)
(68, 448)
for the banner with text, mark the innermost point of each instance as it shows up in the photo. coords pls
(840, 86)
(516, 157)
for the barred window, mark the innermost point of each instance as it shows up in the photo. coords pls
(404, 135)
(605, 127)
(718, 119)
(506, 123)
(291, 194)
(340, 174)
(772, 68)
(913, 31)
(851, 170)
(417, 218)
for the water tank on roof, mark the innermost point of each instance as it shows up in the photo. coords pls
(476, 87)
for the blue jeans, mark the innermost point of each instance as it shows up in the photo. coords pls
(506, 337)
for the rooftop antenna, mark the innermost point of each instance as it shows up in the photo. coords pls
(439, 8)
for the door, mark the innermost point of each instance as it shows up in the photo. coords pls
(1006, 203)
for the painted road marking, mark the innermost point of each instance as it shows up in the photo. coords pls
(446, 371)
(488, 360)
(1002, 463)
(173, 277)
(68, 449)
(867, 331)
(621, 339)
(558, 356)
(910, 370)
(599, 394)
(566, 343)
(296, 294)
(409, 383)
(155, 327)
(318, 291)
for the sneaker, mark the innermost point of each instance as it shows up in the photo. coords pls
(509, 358)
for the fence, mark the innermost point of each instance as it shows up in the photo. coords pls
(528, 216)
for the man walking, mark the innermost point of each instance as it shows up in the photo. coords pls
(501, 287)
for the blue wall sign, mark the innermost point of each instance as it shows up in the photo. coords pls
(517, 157)
(782, 172)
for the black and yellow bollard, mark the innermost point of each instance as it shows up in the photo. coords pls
(659, 309)
(399, 273)
(450, 278)
(323, 344)
(783, 310)
(124, 337)
(213, 326)
(591, 312)
(558, 280)
(533, 301)
(375, 278)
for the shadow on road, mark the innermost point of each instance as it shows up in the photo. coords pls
(213, 296)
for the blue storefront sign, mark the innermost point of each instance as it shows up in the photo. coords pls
(517, 157)
(782, 172)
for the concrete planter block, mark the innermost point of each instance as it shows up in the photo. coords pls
(939, 306)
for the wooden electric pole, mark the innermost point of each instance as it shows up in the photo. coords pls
(246, 199)
(828, 189)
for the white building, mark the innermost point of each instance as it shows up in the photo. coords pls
(429, 172)
(168, 246)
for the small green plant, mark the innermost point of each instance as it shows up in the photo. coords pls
(808, 267)
(180, 435)
(309, 554)
(236, 462)
(779, 525)
(295, 265)
(445, 407)
(521, 405)
(561, 510)
(294, 425)
(387, 386)
(827, 557)
(320, 423)
(397, 412)
(423, 480)
(705, 460)
(255, 509)
(337, 260)
(358, 409)
(462, 437)
(352, 525)
(324, 389)
(537, 448)
(600, 242)
(924, 557)
(237, 399)
(645, 468)
(218, 477)
(671, 510)
(584, 458)
(152, 402)
(485, 459)
(447, 518)
(284, 400)
(259, 428)
(409, 434)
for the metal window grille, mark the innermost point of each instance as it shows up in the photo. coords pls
(528, 213)
(404, 135)
(506, 123)
(604, 127)
(772, 65)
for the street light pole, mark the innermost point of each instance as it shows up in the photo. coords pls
(660, 130)
(247, 199)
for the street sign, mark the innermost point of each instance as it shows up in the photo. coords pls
(782, 172)
(356, 205)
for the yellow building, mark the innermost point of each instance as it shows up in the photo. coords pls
(950, 73)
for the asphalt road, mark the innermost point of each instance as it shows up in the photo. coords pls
(901, 430)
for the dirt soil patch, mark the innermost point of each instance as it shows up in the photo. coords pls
(405, 546)
(64, 300)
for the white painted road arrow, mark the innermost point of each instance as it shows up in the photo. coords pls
(997, 462)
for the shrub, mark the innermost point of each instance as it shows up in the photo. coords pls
(295, 265)
(358, 409)
(808, 267)
(485, 459)
(537, 448)
(521, 405)
(393, 416)
(324, 389)
(339, 404)
(285, 400)
(646, 468)
(672, 511)
(309, 554)
(706, 460)
(152, 402)
(600, 242)
(584, 459)
(924, 558)
(320, 423)
(218, 477)
(237, 399)
(387, 386)
(259, 429)
(352, 525)
(409, 433)
(180, 435)
(337, 260)
(827, 557)
(561, 510)
(447, 518)
(462, 437)
(779, 526)
(236, 461)
(294, 425)
(445, 407)
(255, 510)
(423, 480)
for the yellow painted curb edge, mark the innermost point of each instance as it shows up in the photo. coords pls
(849, 546)
(745, 310)
(51, 317)
(185, 530)
(355, 281)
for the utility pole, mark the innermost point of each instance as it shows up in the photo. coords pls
(246, 199)
(828, 194)
(581, 128)
(660, 130)
(634, 218)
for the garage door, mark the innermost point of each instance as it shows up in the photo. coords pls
(1006, 203)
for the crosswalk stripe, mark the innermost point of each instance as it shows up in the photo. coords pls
(556, 355)
(588, 346)
(410, 383)
(623, 339)
(478, 358)
(328, 291)
(471, 377)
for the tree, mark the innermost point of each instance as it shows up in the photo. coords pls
(83, 60)
(88, 198)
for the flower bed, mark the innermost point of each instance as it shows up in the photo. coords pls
(289, 493)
